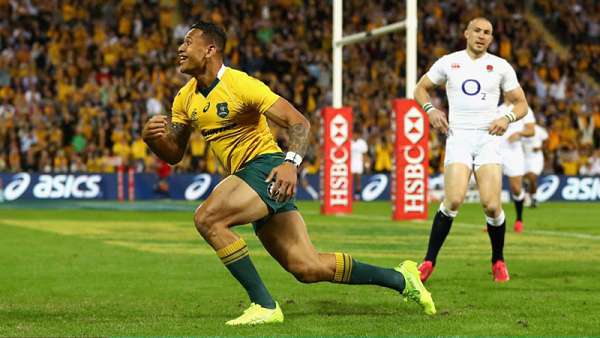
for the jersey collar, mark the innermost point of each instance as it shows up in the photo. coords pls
(207, 90)
(478, 59)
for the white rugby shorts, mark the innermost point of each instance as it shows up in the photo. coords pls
(513, 161)
(356, 167)
(472, 147)
(534, 162)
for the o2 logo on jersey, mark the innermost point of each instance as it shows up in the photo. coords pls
(222, 109)
(471, 87)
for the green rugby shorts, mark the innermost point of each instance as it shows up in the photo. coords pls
(254, 173)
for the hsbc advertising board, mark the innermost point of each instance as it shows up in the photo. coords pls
(336, 178)
(411, 162)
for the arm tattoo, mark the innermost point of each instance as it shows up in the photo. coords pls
(298, 142)
(180, 134)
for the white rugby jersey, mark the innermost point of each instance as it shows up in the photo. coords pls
(535, 141)
(358, 148)
(516, 126)
(473, 87)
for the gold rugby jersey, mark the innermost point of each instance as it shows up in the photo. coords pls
(230, 116)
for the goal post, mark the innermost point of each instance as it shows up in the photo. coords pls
(339, 41)
(336, 125)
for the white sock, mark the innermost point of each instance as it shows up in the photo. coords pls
(520, 197)
(498, 221)
(447, 211)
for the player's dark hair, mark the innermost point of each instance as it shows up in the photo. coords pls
(212, 33)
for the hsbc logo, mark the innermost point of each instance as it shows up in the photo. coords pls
(414, 125)
(410, 173)
(339, 130)
(339, 156)
(336, 179)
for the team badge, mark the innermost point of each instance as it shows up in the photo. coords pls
(222, 109)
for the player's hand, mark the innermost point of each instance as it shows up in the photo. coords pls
(514, 137)
(155, 128)
(498, 126)
(283, 182)
(438, 120)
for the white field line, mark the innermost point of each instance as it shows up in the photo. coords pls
(564, 234)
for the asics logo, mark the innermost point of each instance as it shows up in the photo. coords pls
(205, 109)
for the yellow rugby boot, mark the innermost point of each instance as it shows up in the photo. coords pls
(256, 314)
(414, 289)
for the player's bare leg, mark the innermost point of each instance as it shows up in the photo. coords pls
(532, 180)
(286, 238)
(489, 181)
(518, 196)
(233, 202)
(456, 183)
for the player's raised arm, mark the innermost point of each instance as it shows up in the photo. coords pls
(166, 139)
(437, 118)
(298, 127)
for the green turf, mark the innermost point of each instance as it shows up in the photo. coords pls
(78, 269)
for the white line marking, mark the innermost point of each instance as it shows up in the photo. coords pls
(564, 234)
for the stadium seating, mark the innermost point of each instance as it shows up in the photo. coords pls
(78, 80)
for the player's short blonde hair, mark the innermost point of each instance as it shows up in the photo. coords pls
(472, 21)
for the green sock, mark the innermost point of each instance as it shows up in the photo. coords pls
(237, 260)
(350, 271)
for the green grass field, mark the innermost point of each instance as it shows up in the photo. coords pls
(104, 269)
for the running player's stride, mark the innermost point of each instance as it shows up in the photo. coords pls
(230, 109)
(473, 80)
(513, 158)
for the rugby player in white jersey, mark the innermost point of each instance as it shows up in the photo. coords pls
(534, 160)
(474, 80)
(513, 158)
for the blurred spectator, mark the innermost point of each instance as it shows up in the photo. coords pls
(139, 152)
(163, 171)
(78, 79)
(384, 151)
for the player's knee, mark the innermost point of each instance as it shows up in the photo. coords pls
(305, 273)
(491, 208)
(452, 204)
(207, 220)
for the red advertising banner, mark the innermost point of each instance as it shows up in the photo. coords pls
(411, 160)
(336, 178)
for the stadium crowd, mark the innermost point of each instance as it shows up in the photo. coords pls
(79, 78)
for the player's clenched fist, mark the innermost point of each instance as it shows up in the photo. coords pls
(155, 128)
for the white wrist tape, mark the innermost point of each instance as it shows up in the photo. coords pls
(511, 117)
(293, 157)
(427, 107)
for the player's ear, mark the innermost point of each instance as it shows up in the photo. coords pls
(212, 50)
